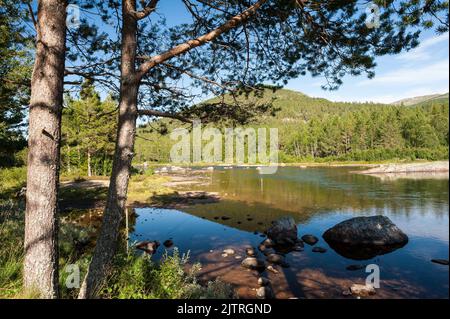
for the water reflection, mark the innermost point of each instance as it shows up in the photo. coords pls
(317, 198)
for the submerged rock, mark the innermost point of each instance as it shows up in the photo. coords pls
(263, 281)
(275, 259)
(149, 247)
(283, 231)
(299, 243)
(229, 251)
(440, 261)
(168, 243)
(310, 239)
(319, 250)
(362, 290)
(268, 243)
(272, 269)
(253, 263)
(250, 251)
(365, 237)
(265, 292)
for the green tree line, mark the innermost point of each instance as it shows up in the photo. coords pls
(315, 129)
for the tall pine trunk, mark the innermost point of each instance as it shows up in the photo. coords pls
(107, 241)
(41, 222)
(89, 168)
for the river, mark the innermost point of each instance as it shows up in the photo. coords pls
(317, 198)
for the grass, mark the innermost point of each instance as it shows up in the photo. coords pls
(143, 187)
(137, 277)
(133, 275)
(11, 181)
(11, 248)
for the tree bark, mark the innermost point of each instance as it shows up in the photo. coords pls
(40, 272)
(89, 169)
(117, 194)
(128, 112)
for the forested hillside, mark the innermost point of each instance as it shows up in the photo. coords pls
(315, 129)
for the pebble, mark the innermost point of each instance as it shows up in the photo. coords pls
(229, 251)
(310, 239)
(319, 250)
(275, 258)
(440, 261)
(168, 243)
(268, 243)
(253, 263)
(263, 281)
(265, 293)
(362, 290)
(250, 252)
(272, 269)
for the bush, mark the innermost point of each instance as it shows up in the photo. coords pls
(137, 277)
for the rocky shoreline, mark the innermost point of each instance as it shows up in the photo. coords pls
(441, 166)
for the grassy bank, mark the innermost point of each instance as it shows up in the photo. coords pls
(133, 276)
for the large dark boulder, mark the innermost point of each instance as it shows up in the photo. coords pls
(365, 237)
(283, 232)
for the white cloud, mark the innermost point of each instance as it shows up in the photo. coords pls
(423, 52)
(408, 76)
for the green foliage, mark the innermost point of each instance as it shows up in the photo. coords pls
(11, 181)
(88, 130)
(15, 71)
(137, 277)
(314, 129)
(11, 248)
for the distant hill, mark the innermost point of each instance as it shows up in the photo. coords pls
(422, 99)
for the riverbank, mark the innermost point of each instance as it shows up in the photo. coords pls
(434, 167)
(169, 186)
(368, 164)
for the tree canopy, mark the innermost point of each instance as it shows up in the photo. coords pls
(15, 70)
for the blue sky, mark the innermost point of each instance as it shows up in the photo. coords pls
(422, 71)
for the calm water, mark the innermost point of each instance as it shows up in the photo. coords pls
(317, 198)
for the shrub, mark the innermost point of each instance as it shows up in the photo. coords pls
(137, 277)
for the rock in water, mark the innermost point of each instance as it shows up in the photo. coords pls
(253, 263)
(440, 261)
(300, 243)
(149, 247)
(268, 243)
(265, 292)
(272, 269)
(250, 252)
(310, 239)
(362, 290)
(283, 232)
(229, 251)
(365, 237)
(168, 243)
(275, 259)
(263, 281)
(319, 250)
